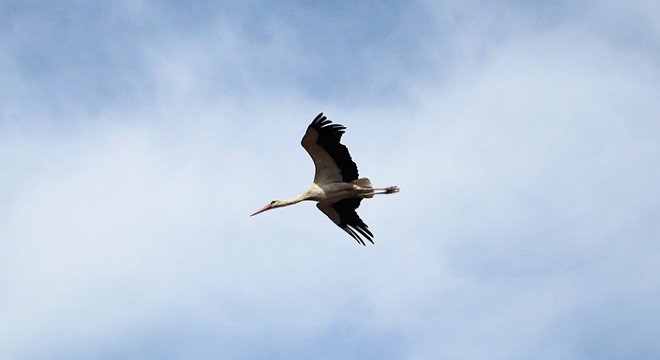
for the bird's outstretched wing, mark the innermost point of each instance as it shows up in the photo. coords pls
(331, 158)
(343, 214)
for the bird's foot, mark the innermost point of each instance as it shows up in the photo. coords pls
(391, 189)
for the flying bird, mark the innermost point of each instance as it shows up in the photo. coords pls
(336, 186)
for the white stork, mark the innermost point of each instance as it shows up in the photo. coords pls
(336, 186)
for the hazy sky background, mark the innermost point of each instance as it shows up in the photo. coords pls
(137, 136)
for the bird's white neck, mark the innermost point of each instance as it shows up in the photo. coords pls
(295, 200)
(309, 194)
(288, 202)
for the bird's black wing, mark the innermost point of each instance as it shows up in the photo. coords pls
(343, 214)
(331, 158)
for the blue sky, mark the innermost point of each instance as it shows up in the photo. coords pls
(137, 136)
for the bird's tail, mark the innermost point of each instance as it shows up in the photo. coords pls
(364, 183)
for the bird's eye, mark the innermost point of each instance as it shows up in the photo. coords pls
(273, 202)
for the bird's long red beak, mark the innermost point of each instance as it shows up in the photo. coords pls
(267, 207)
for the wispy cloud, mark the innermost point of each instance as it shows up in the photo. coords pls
(136, 138)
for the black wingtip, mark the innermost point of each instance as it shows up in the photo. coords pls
(356, 231)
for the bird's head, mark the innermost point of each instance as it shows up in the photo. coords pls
(271, 205)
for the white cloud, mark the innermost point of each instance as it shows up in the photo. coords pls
(527, 161)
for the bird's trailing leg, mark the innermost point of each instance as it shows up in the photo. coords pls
(380, 191)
